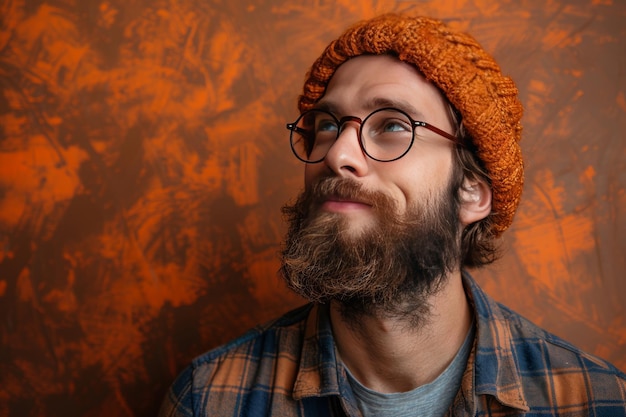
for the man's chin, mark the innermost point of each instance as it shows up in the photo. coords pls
(350, 225)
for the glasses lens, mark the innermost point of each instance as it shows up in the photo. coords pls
(387, 135)
(313, 134)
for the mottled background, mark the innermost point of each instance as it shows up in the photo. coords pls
(144, 160)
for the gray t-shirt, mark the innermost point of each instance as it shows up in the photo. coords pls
(430, 400)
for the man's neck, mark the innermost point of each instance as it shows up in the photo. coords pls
(385, 355)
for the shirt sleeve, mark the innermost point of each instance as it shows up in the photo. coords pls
(178, 401)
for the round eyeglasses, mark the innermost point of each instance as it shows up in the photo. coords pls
(385, 135)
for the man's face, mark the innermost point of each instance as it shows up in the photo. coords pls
(358, 87)
(376, 236)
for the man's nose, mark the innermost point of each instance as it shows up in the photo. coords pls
(346, 157)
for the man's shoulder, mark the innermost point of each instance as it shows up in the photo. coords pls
(530, 369)
(546, 362)
(223, 376)
(284, 332)
(534, 350)
(535, 345)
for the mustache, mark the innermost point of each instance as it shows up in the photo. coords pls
(346, 189)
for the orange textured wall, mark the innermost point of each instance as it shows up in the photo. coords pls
(143, 162)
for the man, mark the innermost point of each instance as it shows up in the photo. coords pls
(410, 133)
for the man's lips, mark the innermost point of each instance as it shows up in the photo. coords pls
(339, 204)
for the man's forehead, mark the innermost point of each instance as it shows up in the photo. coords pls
(371, 82)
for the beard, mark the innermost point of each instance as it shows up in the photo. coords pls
(390, 268)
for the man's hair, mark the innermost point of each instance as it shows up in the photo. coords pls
(478, 242)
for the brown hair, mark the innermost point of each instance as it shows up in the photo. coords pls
(478, 241)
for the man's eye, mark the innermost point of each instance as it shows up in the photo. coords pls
(326, 126)
(395, 126)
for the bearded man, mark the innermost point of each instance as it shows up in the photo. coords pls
(410, 138)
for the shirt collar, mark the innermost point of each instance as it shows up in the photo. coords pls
(318, 370)
(496, 372)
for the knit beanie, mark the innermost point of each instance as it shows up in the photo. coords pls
(465, 73)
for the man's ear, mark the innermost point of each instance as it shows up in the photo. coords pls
(475, 198)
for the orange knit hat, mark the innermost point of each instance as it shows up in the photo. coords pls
(467, 75)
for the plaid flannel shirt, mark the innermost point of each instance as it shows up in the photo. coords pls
(289, 368)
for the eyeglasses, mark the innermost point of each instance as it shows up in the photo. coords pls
(385, 135)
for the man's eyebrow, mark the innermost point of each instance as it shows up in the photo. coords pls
(326, 106)
(380, 102)
(373, 104)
